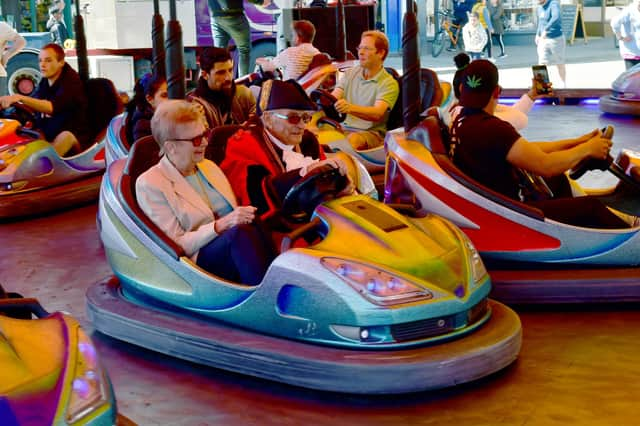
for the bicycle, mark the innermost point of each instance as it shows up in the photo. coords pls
(453, 32)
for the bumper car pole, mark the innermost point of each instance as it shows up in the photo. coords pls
(157, 36)
(175, 68)
(411, 68)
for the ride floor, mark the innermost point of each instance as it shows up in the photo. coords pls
(578, 364)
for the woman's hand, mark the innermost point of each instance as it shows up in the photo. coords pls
(241, 215)
(336, 163)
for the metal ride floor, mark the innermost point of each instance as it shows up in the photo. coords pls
(578, 364)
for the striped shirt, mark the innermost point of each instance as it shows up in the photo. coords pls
(295, 60)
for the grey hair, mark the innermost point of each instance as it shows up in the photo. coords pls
(169, 116)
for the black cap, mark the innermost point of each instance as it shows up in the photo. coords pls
(477, 83)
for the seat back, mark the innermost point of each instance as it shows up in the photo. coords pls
(317, 61)
(395, 115)
(429, 133)
(104, 104)
(218, 142)
(431, 94)
(144, 154)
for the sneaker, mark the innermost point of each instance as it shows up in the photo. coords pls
(451, 49)
(490, 59)
(502, 55)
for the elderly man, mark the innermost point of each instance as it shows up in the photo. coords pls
(190, 199)
(367, 93)
(277, 146)
(491, 151)
(60, 100)
(221, 100)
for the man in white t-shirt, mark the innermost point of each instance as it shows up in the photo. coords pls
(10, 43)
(294, 60)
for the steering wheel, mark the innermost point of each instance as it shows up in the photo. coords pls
(326, 101)
(321, 184)
(20, 112)
(592, 163)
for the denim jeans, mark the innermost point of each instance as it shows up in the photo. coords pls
(234, 27)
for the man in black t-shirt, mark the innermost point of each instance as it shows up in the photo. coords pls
(490, 151)
(60, 102)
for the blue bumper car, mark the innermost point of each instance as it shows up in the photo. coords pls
(625, 94)
(359, 291)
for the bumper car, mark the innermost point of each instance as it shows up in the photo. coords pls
(625, 94)
(357, 290)
(49, 369)
(34, 179)
(531, 259)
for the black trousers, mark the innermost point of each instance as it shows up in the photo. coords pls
(240, 254)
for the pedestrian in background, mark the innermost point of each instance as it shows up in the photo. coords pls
(626, 27)
(485, 20)
(496, 11)
(56, 26)
(550, 39)
(474, 36)
(228, 21)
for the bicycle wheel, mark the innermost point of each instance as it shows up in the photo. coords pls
(437, 44)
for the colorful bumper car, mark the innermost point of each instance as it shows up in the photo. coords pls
(34, 179)
(357, 291)
(531, 259)
(625, 94)
(49, 369)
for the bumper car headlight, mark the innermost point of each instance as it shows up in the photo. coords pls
(376, 285)
(89, 389)
(478, 271)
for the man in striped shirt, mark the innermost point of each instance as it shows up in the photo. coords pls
(294, 60)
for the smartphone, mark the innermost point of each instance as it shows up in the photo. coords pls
(541, 78)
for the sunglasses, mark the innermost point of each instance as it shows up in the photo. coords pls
(197, 140)
(294, 118)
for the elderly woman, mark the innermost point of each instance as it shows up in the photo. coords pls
(191, 200)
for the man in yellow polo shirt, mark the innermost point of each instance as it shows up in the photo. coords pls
(367, 93)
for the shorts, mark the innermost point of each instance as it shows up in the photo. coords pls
(551, 51)
(372, 138)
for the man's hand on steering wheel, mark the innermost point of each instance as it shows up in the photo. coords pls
(7, 101)
(335, 163)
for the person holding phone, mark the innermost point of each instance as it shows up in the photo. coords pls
(550, 41)
(491, 151)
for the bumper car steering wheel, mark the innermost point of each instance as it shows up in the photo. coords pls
(21, 113)
(321, 184)
(326, 101)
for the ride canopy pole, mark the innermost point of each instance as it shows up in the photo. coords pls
(81, 46)
(410, 69)
(175, 56)
(157, 37)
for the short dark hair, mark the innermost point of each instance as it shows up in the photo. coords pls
(59, 51)
(305, 30)
(211, 55)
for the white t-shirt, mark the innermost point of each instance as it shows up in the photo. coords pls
(6, 34)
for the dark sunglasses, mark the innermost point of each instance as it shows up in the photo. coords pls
(294, 119)
(197, 140)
